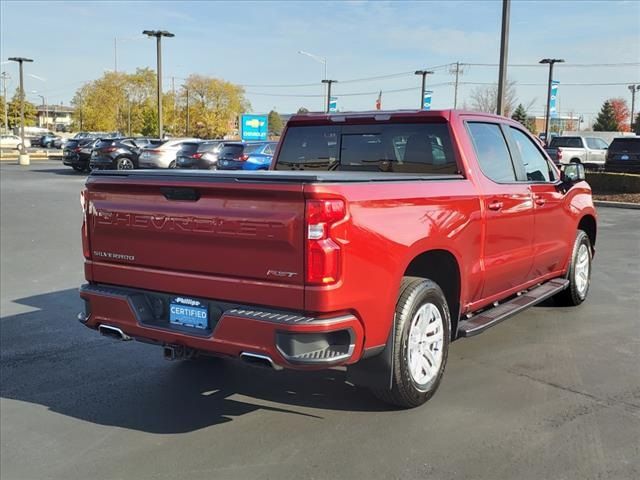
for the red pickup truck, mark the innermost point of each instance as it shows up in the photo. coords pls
(375, 240)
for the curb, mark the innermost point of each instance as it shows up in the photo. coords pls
(604, 203)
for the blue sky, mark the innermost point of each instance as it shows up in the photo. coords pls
(256, 43)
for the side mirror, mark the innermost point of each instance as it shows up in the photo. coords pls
(573, 173)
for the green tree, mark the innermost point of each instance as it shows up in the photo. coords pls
(30, 111)
(520, 114)
(303, 110)
(275, 123)
(606, 119)
(214, 106)
(636, 124)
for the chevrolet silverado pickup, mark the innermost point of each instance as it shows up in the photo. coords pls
(374, 240)
(590, 151)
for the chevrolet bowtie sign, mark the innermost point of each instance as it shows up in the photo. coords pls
(254, 127)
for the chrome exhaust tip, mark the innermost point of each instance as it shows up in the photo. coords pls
(259, 360)
(113, 332)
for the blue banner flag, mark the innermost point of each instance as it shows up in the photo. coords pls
(333, 104)
(553, 110)
(426, 100)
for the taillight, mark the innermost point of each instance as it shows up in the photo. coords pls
(196, 155)
(110, 149)
(154, 151)
(559, 154)
(84, 201)
(323, 252)
(77, 149)
(243, 158)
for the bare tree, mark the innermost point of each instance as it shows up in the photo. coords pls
(485, 98)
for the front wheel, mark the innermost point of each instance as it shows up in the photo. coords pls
(421, 343)
(579, 275)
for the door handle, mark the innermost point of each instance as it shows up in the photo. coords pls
(495, 205)
(540, 201)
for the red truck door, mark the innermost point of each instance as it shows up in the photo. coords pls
(508, 212)
(549, 241)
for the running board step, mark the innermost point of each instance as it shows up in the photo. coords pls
(487, 319)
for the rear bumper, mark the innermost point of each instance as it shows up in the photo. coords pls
(289, 339)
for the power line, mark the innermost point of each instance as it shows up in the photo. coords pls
(565, 65)
(517, 84)
(348, 94)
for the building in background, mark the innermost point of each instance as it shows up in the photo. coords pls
(57, 118)
(558, 124)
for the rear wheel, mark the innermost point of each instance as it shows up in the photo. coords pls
(579, 275)
(421, 345)
(172, 164)
(124, 163)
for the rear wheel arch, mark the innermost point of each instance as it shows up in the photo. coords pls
(442, 267)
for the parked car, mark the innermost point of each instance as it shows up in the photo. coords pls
(623, 155)
(354, 252)
(590, 151)
(13, 141)
(246, 156)
(77, 153)
(116, 154)
(162, 154)
(48, 140)
(58, 142)
(199, 155)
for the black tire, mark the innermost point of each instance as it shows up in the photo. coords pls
(573, 295)
(77, 168)
(405, 392)
(125, 163)
(172, 164)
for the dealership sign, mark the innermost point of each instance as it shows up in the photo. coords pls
(254, 127)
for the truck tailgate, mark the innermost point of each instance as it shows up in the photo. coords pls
(248, 233)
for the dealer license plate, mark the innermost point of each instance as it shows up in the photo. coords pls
(188, 312)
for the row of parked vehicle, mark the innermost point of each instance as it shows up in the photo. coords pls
(106, 152)
(621, 155)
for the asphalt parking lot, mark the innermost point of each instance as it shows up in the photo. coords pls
(553, 393)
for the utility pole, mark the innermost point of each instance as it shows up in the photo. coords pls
(323, 61)
(24, 156)
(457, 71)
(504, 53)
(5, 76)
(550, 62)
(329, 82)
(424, 74)
(633, 88)
(115, 54)
(158, 34)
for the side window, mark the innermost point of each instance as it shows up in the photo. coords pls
(268, 150)
(602, 143)
(535, 164)
(593, 143)
(492, 152)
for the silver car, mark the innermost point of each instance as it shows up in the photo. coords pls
(161, 155)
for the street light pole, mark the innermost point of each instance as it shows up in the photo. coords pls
(328, 82)
(46, 113)
(186, 130)
(323, 61)
(424, 74)
(5, 76)
(633, 89)
(551, 62)
(504, 53)
(159, 34)
(24, 156)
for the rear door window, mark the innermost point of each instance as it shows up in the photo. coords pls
(535, 164)
(231, 151)
(492, 151)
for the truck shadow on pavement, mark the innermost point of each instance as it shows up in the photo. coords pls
(48, 358)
